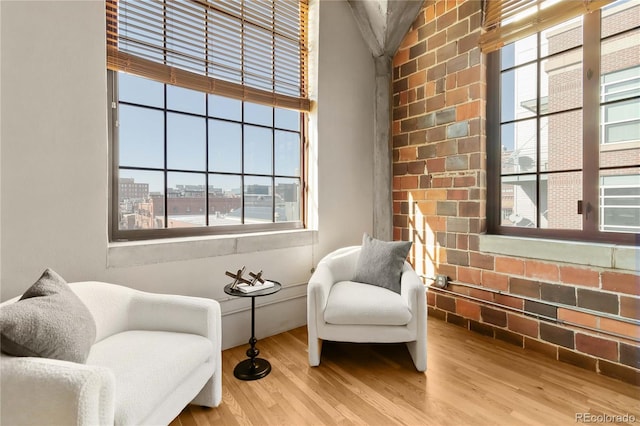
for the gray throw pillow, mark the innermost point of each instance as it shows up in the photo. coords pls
(49, 321)
(380, 262)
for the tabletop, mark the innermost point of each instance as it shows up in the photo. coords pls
(267, 291)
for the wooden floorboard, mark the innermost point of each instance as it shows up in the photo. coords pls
(470, 380)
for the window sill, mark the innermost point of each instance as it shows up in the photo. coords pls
(136, 253)
(581, 253)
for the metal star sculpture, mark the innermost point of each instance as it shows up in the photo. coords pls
(237, 278)
(256, 278)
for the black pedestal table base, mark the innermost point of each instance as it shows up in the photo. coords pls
(253, 368)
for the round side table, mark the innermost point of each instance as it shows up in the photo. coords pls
(253, 368)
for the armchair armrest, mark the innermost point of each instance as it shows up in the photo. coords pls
(180, 314)
(184, 314)
(318, 288)
(46, 391)
(415, 294)
(411, 287)
(335, 266)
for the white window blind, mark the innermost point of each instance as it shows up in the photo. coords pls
(505, 21)
(253, 50)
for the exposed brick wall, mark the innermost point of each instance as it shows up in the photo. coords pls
(439, 203)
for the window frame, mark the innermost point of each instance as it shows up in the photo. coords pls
(606, 123)
(118, 235)
(591, 107)
(188, 56)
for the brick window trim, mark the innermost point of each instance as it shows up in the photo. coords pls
(603, 255)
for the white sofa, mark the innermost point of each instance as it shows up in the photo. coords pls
(342, 310)
(153, 355)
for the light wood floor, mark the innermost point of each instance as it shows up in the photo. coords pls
(470, 380)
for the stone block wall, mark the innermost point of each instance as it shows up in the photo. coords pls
(583, 315)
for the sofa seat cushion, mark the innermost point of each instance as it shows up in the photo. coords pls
(148, 366)
(354, 303)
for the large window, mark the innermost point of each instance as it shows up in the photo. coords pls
(209, 105)
(564, 129)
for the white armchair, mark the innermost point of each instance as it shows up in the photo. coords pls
(339, 309)
(153, 355)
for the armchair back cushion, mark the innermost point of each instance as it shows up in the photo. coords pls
(109, 304)
(343, 263)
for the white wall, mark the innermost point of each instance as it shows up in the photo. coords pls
(54, 169)
(0, 150)
(346, 88)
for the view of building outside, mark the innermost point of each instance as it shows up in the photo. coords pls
(620, 119)
(194, 153)
(186, 204)
(542, 140)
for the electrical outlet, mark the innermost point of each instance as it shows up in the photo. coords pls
(441, 280)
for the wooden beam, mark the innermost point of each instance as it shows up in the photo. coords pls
(372, 28)
(401, 15)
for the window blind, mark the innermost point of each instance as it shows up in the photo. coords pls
(244, 49)
(505, 21)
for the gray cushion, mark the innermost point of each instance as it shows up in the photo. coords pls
(380, 262)
(48, 321)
